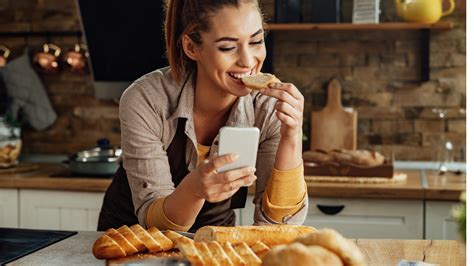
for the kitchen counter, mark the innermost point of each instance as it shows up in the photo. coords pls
(78, 250)
(418, 185)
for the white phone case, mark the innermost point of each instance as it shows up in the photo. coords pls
(242, 141)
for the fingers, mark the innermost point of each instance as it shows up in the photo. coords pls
(215, 163)
(286, 92)
(232, 175)
(224, 191)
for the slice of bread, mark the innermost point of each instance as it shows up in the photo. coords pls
(259, 81)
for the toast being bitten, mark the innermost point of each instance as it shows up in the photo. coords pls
(270, 235)
(259, 81)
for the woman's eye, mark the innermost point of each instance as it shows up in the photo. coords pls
(256, 43)
(226, 49)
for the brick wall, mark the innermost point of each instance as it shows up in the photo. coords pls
(379, 72)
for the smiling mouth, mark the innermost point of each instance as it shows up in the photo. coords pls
(237, 76)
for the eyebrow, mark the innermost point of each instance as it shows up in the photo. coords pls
(236, 39)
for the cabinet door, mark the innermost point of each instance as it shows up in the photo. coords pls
(438, 221)
(9, 207)
(367, 218)
(45, 209)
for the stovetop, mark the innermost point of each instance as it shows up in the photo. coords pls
(16, 243)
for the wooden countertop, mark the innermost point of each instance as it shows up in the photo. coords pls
(78, 250)
(53, 177)
(416, 186)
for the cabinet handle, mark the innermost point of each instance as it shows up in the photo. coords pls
(330, 210)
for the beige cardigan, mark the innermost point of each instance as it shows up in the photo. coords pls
(149, 111)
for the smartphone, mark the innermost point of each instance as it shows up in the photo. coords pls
(242, 141)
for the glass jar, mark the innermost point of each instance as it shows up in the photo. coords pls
(10, 144)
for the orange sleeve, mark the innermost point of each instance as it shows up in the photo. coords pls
(285, 193)
(156, 217)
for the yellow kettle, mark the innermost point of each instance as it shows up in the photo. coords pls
(422, 11)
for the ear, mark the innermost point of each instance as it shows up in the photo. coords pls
(190, 48)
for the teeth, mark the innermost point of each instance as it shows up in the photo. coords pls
(240, 75)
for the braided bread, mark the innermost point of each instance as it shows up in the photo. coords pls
(125, 241)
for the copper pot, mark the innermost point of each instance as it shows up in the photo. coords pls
(76, 60)
(46, 61)
(4, 54)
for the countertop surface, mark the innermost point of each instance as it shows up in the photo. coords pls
(418, 184)
(78, 250)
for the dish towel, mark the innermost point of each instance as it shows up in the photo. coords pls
(28, 93)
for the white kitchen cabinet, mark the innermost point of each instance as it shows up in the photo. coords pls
(60, 210)
(9, 207)
(368, 218)
(361, 218)
(439, 223)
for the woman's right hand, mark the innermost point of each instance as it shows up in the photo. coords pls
(212, 186)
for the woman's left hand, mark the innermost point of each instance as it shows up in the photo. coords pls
(289, 108)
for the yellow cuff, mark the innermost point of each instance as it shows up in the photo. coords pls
(278, 213)
(286, 188)
(157, 217)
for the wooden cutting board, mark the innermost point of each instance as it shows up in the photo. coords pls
(334, 127)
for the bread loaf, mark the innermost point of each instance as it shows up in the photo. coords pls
(298, 254)
(259, 81)
(330, 239)
(129, 240)
(270, 235)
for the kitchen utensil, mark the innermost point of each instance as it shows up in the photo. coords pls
(334, 127)
(76, 59)
(423, 11)
(46, 61)
(102, 160)
(4, 54)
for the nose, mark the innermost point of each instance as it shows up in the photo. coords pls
(246, 58)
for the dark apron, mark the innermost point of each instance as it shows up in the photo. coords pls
(117, 208)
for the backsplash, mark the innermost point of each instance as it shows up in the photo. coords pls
(379, 72)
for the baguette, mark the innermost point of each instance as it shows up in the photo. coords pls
(260, 249)
(125, 241)
(270, 235)
(218, 253)
(174, 237)
(188, 250)
(206, 254)
(247, 254)
(234, 257)
(259, 81)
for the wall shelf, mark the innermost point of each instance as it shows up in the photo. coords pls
(425, 30)
(349, 26)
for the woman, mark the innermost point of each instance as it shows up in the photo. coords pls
(170, 119)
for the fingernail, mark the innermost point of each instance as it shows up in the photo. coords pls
(234, 156)
(253, 169)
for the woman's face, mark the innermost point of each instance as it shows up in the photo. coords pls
(232, 48)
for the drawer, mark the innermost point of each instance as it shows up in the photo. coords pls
(368, 218)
